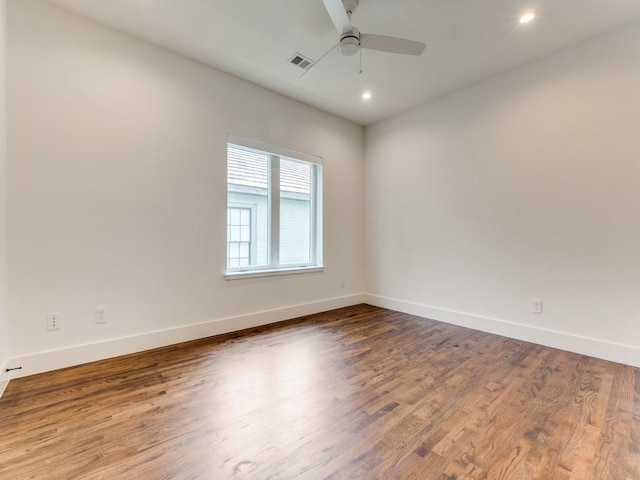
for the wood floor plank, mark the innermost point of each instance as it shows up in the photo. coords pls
(355, 393)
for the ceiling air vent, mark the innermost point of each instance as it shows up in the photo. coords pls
(301, 61)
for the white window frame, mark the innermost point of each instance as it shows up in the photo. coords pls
(273, 266)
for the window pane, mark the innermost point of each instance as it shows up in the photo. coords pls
(234, 216)
(234, 233)
(247, 188)
(295, 212)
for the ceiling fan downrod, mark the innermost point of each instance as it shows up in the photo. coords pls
(350, 6)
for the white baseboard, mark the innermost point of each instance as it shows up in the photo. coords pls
(614, 352)
(3, 386)
(67, 357)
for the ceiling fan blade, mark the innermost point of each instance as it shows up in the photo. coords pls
(338, 15)
(391, 44)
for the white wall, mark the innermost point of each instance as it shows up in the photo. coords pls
(4, 347)
(525, 186)
(117, 192)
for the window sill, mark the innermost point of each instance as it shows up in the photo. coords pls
(271, 273)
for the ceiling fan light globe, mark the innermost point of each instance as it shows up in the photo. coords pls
(349, 46)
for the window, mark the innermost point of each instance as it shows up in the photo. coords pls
(274, 205)
(238, 236)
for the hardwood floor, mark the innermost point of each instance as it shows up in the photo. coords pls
(355, 393)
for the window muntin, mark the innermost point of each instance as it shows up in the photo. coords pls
(285, 194)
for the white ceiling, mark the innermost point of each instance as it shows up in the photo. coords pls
(467, 41)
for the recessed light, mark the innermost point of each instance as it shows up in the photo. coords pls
(527, 17)
(366, 95)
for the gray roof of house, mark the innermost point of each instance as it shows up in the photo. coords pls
(248, 168)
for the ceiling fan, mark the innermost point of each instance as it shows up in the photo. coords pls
(351, 40)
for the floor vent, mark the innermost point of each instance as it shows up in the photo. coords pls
(301, 61)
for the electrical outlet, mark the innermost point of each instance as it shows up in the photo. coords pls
(343, 282)
(536, 305)
(101, 314)
(53, 321)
